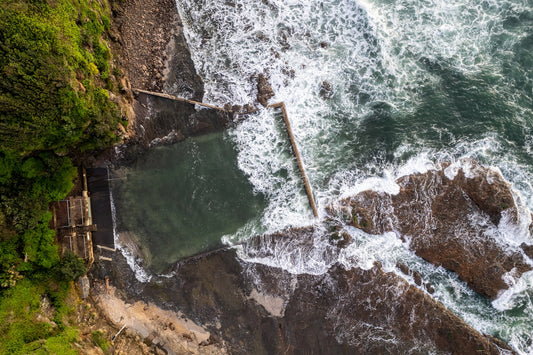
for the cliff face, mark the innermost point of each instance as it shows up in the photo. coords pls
(148, 41)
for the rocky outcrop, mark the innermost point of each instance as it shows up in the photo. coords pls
(150, 47)
(326, 90)
(450, 222)
(148, 39)
(372, 312)
(164, 121)
(488, 190)
(251, 308)
(254, 308)
(264, 90)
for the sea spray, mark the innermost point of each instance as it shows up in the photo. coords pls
(414, 84)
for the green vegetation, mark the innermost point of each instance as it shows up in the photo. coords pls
(71, 267)
(54, 107)
(100, 340)
(55, 67)
(25, 327)
(54, 110)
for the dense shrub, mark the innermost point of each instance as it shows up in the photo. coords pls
(23, 328)
(54, 64)
(54, 106)
(71, 267)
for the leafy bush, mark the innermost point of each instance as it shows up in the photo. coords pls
(71, 267)
(100, 340)
(20, 330)
(54, 64)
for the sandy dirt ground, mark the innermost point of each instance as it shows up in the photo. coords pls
(158, 329)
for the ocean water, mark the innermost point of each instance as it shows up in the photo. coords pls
(178, 200)
(414, 83)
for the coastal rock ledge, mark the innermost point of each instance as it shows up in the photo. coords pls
(251, 308)
(450, 217)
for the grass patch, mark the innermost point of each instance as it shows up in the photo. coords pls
(24, 330)
(99, 339)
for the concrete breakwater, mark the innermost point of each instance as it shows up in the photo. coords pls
(278, 105)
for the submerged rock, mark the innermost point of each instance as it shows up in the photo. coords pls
(450, 221)
(326, 90)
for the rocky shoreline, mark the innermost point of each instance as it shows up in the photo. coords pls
(150, 47)
(217, 303)
(450, 218)
(253, 308)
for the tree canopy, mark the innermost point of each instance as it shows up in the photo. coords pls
(54, 105)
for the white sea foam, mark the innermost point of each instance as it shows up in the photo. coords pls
(141, 274)
(369, 51)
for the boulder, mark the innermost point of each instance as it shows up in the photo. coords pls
(264, 90)
(325, 90)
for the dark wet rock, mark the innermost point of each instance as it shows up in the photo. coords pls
(261, 36)
(275, 53)
(179, 74)
(248, 108)
(264, 90)
(289, 73)
(153, 54)
(417, 277)
(253, 308)
(368, 308)
(325, 90)
(269, 4)
(403, 268)
(283, 40)
(236, 108)
(528, 249)
(341, 238)
(170, 138)
(489, 191)
(158, 118)
(448, 222)
(150, 44)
